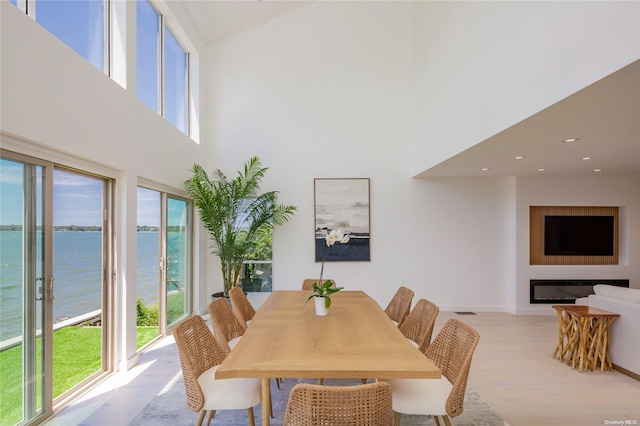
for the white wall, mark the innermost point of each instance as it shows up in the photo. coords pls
(482, 66)
(337, 89)
(325, 91)
(57, 106)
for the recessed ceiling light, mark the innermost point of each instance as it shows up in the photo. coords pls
(597, 170)
(519, 157)
(485, 169)
(541, 170)
(587, 158)
(570, 140)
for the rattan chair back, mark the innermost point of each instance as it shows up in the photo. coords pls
(400, 305)
(307, 284)
(199, 351)
(418, 326)
(452, 350)
(225, 324)
(358, 405)
(240, 305)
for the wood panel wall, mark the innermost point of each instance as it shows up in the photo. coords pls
(536, 235)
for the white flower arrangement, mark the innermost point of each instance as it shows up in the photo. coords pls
(324, 289)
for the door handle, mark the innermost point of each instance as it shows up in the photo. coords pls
(51, 297)
(40, 289)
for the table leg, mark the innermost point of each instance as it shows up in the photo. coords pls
(573, 339)
(561, 332)
(606, 360)
(583, 344)
(595, 349)
(266, 401)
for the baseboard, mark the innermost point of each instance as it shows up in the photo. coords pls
(627, 372)
(455, 308)
(130, 363)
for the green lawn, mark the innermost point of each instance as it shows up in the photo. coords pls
(76, 355)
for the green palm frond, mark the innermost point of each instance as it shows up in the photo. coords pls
(235, 213)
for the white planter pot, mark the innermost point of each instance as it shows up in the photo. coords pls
(321, 309)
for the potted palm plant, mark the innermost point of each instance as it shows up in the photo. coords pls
(235, 213)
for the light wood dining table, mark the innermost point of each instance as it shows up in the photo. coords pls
(355, 340)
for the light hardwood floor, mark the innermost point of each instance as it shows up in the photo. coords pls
(512, 370)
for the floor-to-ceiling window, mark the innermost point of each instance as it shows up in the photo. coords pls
(163, 262)
(177, 260)
(55, 287)
(148, 265)
(25, 282)
(80, 253)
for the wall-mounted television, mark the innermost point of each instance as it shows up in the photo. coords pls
(579, 235)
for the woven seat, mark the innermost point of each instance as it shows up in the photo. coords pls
(200, 355)
(307, 284)
(226, 326)
(358, 405)
(418, 326)
(451, 350)
(399, 305)
(241, 306)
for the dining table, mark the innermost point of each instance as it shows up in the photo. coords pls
(286, 339)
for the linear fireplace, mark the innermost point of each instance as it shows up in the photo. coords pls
(565, 291)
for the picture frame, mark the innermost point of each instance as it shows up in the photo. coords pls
(342, 203)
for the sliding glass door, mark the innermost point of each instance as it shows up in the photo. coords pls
(177, 256)
(25, 289)
(80, 258)
(163, 266)
(55, 287)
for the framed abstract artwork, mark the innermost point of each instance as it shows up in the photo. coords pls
(342, 204)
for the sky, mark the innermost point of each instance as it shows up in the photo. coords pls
(77, 199)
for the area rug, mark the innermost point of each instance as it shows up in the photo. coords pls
(170, 408)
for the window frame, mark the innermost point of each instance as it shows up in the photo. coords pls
(164, 26)
(29, 7)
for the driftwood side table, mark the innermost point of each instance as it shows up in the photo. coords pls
(583, 336)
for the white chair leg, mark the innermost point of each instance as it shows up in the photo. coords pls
(252, 421)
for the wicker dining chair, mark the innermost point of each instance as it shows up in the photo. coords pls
(307, 284)
(418, 325)
(400, 305)
(357, 405)
(226, 326)
(451, 350)
(200, 355)
(241, 306)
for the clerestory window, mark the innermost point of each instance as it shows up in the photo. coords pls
(162, 67)
(80, 24)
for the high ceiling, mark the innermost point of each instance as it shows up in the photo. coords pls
(605, 116)
(217, 19)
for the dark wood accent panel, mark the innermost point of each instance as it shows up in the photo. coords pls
(536, 235)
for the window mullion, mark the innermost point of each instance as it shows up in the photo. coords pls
(106, 49)
(28, 7)
(187, 94)
(161, 71)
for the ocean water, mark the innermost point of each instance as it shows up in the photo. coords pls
(77, 260)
